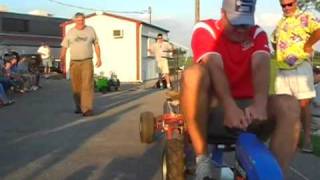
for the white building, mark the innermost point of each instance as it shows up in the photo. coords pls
(124, 43)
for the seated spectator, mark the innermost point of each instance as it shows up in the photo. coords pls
(30, 78)
(13, 79)
(4, 81)
(4, 99)
(21, 73)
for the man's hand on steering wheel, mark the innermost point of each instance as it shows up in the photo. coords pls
(234, 118)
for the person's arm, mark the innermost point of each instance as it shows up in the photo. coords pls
(315, 36)
(261, 69)
(63, 53)
(260, 74)
(95, 42)
(151, 49)
(234, 116)
(97, 49)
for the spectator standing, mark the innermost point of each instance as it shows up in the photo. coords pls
(80, 40)
(161, 50)
(45, 52)
(293, 38)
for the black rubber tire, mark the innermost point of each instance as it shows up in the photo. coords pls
(173, 160)
(147, 127)
(104, 91)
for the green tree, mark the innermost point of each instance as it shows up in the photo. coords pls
(309, 4)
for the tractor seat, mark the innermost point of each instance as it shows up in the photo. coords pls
(217, 132)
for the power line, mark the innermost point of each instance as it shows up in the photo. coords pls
(93, 9)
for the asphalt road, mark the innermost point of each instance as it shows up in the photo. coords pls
(42, 139)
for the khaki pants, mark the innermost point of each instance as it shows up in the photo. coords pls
(82, 84)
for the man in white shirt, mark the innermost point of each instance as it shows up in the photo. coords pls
(161, 50)
(45, 52)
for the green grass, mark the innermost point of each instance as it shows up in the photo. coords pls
(315, 142)
(316, 145)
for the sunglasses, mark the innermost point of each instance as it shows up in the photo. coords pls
(288, 4)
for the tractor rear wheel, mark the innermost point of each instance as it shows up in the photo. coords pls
(173, 160)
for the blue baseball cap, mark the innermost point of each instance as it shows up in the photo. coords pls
(240, 12)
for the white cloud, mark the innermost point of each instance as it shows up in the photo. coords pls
(39, 12)
(268, 20)
(180, 30)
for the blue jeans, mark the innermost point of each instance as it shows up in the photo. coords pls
(3, 96)
(6, 84)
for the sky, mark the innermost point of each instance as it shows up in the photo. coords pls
(175, 15)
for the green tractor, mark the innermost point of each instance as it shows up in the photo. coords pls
(104, 84)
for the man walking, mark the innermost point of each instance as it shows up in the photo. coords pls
(292, 40)
(45, 52)
(80, 40)
(161, 50)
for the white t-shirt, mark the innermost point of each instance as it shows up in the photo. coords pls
(44, 51)
(161, 50)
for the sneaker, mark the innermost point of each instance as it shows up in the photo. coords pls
(8, 103)
(307, 148)
(34, 88)
(161, 86)
(204, 168)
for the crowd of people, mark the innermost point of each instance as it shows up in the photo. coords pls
(17, 75)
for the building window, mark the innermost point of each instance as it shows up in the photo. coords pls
(15, 25)
(118, 33)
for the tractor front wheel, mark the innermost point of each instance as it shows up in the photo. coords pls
(147, 127)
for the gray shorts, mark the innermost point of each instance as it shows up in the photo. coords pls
(218, 133)
(47, 62)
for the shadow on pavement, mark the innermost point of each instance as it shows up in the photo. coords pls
(82, 174)
(127, 167)
(42, 139)
(57, 145)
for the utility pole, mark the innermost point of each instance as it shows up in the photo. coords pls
(197, 11)
(150, 12)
